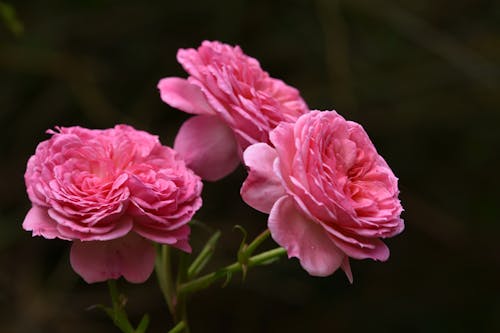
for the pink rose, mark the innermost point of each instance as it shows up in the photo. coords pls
(111, 192)
(236, 104)
(329, 194)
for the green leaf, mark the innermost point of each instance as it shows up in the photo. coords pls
(143, 325)
(229, 276)
(178, 328)
(204, 257)
(243, 241)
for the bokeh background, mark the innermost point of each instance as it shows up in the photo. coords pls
(423, 78)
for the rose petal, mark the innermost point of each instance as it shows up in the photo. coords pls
(346, 267)
(304, 239)
(263, 187)
(359, 247)
(182, 95)
(367, 248)
(208, 146)
(41, 224)
(284, 142)
(176, 238)
(117, 229)
(132, 257)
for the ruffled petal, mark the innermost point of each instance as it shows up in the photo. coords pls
(363, 248)
(132, 257)
(304, 239)
(177, 238)
(117, 229)
(208, 146)
(41, 224)
(263, 187)
(182, 95)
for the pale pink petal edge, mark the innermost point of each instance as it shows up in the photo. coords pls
(182, 95)
(132, 257)
(304, 239)
(263, 187)
(208, 146)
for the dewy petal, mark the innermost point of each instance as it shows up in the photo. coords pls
(132, 257)
(263, 187)
(41, 224)
(182, 95)
(304, 239)
(208, 146)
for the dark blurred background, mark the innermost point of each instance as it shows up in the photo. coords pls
(423, 78)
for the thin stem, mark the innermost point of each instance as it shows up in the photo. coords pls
(204, 256)
(118, 314)
(180, 314)
(178, 328)
(113, 291)
(206, 280)
(176, 304)
(257, 241)
(164, 274)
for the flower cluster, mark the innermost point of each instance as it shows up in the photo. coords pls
(329, 195)
(111, 192)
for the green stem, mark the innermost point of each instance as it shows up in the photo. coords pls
(204, 256)
(118, 314)
(176, 304)
(257, 241)
(180, 312)
(164, 275)
(206, 280)
(178, 328)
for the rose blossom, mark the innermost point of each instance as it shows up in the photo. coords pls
(111, 192)
(329, 194)
(236, 104)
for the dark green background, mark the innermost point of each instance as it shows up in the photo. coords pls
(423, 78)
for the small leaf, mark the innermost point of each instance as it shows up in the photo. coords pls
(204, 257)
(178, 328)
(270, 261)
(242, 253)
(143, 325)
(205, 227)
(243, 241)
(244, 270)
(108, 311)
(256, 242)
(229, 275)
